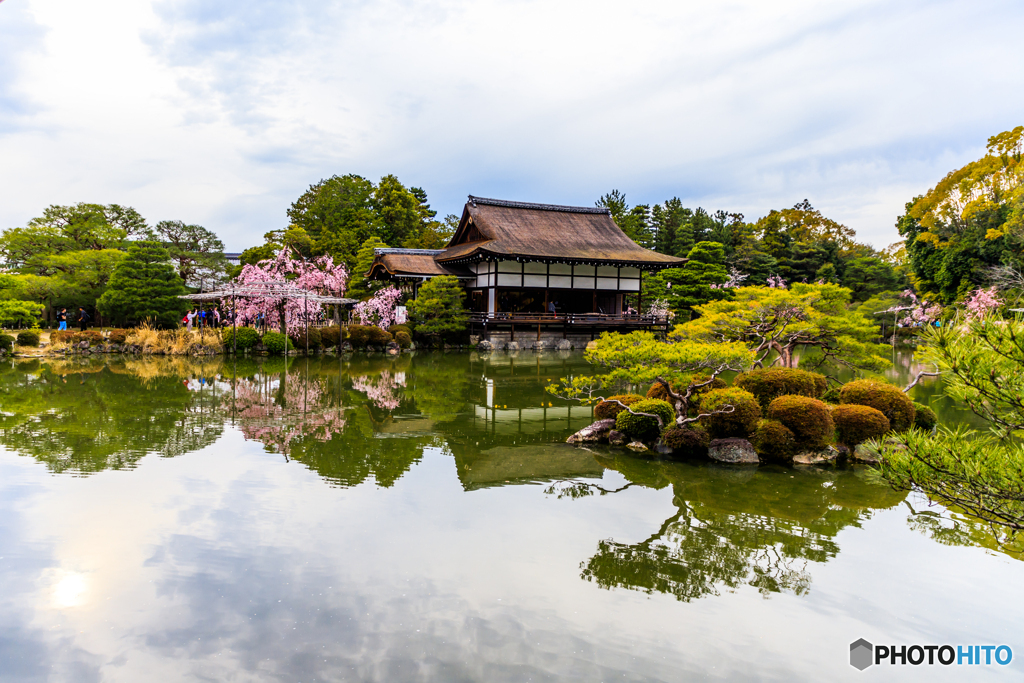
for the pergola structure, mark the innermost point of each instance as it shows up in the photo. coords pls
(273, 289)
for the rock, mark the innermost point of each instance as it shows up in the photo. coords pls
(83, 344)
(637, 446)
(485, 346)
(827, 456)
(512, 346)
(862, 454)
(733, 451)
(539, 346)
(591, 345)
(617, 438)
(346, 347)
(565, 345)
(592, 433)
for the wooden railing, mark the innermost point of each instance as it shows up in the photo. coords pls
(572, 319)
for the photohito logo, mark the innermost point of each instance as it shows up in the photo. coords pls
(863, 654)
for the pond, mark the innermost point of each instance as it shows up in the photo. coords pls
(420, 519)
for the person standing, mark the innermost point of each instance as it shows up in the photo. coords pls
(83, 318)
(189, 317)
(62, 318)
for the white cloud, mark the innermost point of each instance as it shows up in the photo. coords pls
(224, 112)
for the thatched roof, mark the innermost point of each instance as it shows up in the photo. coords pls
(412, 263)
(571, 234)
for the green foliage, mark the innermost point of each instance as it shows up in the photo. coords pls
(143, 287)
(740, 422)
(856, 424)
(20, 313)
(437, 310)
(330, 337)
(809, 419)
(658, 390)
(359, 286)
(248, 337)
(886, 398)
(395, 329)
(611, 408)
(690, 441)
(773, 441)
(403, 338)
(831, 395)
(645, 427)
(924, 417)
(28, 338)
(691, 284)
(275, 343)
(767, 384)
(359, 335)
(197, 253)
(379, 337)
(6, 342)
(299, 341)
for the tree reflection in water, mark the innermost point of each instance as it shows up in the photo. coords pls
(381, 389)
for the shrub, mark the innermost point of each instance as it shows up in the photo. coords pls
(91, 336)
(248, 337)
(888, 399)
(610, 410)
(644, 427)
(924, 417)
(657, 390)
(856, 424)
(6, 342)
(379, 337)
(769, 383)
(275, 343)
(298, 337)
(28, 338)
(740, 422)
(688, 441)
(773, 440)
(330, 336)
(809, 419)
(117, 336)
(831, 396)
(61, 337)
(395, 329)
(359, 335)
(403, 338)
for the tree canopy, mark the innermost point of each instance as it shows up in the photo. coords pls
(437, 310)
(144, 287)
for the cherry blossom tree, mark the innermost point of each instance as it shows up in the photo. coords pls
(317, 276)
(982, 302)
(380, 309)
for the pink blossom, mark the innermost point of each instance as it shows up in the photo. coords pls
(379, 310)
(381, 391)
(982, 302)
(776, 282)
(318, 276)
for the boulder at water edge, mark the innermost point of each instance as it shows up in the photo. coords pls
(512, 346)
(826, 456)
(617, 438)
(485, 346)
(593, 433)
(637, 446)
(565, 345)
(733, 451)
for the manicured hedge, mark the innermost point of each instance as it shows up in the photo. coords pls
(330, 336)
(6, 342)
(298, 337)
(28, 338)
(609, 409)
(924, 417)
(809, 419)
(773, 441)
(831, 395)
(689, 441)
(643, 427)
(117, 336)
(363, 335)
(247, 338)
(275, 343)
(886, 398)
(740, 422)
(856, 424)
(403, 338)
(767, 384)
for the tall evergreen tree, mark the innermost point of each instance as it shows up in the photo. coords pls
(144, 287)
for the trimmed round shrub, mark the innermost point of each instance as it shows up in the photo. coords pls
(330, 336)
(740, 422)
(403, 338)
(275, 343)
(767, 384)
(831, 396)
(6, 342)
(809, 419)
(91, 336)
(117, 336)
(924, 417)
(298, 338)
(61, 336)
(856, 424)
(644, 427)
(689, 441)
(379, 337)
(247, 338)
(773, 441)
(28, 338)
(609, 409)
(359, 335)
(657, 389)
(886, 398)
(395, 329)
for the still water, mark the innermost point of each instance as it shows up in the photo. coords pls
(420, 519)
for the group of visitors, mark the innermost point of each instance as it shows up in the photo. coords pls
(83, 319)
(201, 318)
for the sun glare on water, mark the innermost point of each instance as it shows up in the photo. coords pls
(70, 590)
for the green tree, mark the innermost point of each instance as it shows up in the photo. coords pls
(14, 313)
(692, 284)
(635, 221)
(197, 252)
(338, 214)
(144, 286)
(400, 211)
(437, 310)
(359, 286)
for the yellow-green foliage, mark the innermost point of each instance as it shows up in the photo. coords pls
(809, 419)
(856, 424)
(773, 441)
(688, 441)
(609, 409)
(247, 338)
(924, 417)
(657, 389)
(740, 422)
(403, 338)
(767, 384)
(28, 338)
(643, 427)
(886, 398)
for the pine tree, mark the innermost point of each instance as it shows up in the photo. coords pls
(144, 287)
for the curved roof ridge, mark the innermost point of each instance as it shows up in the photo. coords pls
(539, 207)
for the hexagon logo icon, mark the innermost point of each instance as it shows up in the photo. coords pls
(861, 652)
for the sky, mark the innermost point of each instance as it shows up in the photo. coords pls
(222, 112)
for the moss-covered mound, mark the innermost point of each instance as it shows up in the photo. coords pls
(885, 398)
(856, 424)
(924, 417)
(740, 422)
(643, 427)
(689, 441)
(28, 338)
(609, 409)
(773, 441)
(809, 419)
(768, 384)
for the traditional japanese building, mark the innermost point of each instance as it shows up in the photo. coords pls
(536, 271)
